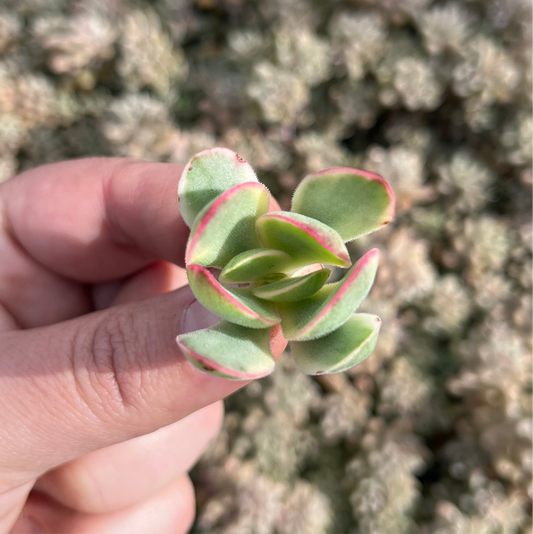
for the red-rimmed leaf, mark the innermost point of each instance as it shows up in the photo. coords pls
(306, 240)
(351, 201)
(229, 351)
(236, 305)
(254, 264)
(207, 175)
(328, 309)
(294, 288)
(226, 226)
(344, 348)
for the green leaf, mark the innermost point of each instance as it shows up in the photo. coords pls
(344, 348)
(328, 309)
(306, 240)
(352, 202)
(226, 226)
(254, 264)
(207, 175)
(268, 279)
(229, 351)
(236, 305)
(293, 289)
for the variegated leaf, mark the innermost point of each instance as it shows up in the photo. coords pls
(236, 305)
(294, 288)
(344, 348)
(352, 202)
(206, 176)
(254, 264)
(226, 226)
(306, 240)
(229, 351)
(328, 309)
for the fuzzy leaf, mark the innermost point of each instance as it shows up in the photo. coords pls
(236, 305)
(306, 240)
(229, 350)
(293, 289)
(344, 348)
(352, 202)
(207, 175)
(328, 309)
(254, 264)
(226, 226)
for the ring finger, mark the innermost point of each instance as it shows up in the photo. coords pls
(171, 511)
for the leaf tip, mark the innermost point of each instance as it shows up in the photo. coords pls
(215, 369)
(372, 255)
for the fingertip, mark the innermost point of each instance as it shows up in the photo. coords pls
(197, 317)
(212, 417)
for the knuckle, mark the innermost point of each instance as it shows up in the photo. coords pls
(115, 362)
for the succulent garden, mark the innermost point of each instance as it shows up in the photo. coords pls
(432, 433)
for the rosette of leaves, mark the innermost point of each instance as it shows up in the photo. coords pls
(260, 270)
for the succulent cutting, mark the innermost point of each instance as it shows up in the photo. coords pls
(260, 270)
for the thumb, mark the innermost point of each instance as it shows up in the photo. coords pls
(106, 377)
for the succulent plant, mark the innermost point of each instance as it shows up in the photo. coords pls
(261, 270)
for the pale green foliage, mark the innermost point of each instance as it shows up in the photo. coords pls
(243, 351)
(307, 240)
(354, 341)
(206, 176)
(227, 230)
(294, 288)
(329, 196)
(253, 264)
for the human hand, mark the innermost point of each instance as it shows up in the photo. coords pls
(101, 416)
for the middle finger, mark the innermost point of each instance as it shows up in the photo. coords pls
(129, 472)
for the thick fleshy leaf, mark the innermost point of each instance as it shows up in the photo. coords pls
(306, 240)
(293, 289)
(270, 278)
(254, 264)
(308, 269)
(226, 226)
(236, 305)
(352, 202)
(207, 175)
(328, 309)
(344, 348)
(229, 350)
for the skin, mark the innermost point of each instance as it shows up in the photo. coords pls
(101, 416)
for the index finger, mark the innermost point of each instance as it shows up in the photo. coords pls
(97, 219)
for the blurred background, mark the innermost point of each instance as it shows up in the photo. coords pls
(432, 434)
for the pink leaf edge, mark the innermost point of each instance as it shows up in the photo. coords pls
(212, 366)
(306, 228)
(223, 198)
(204, 273)
(369, 176)
(363, 262)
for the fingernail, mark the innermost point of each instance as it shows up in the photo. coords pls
(26, 525)
(197, 317)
